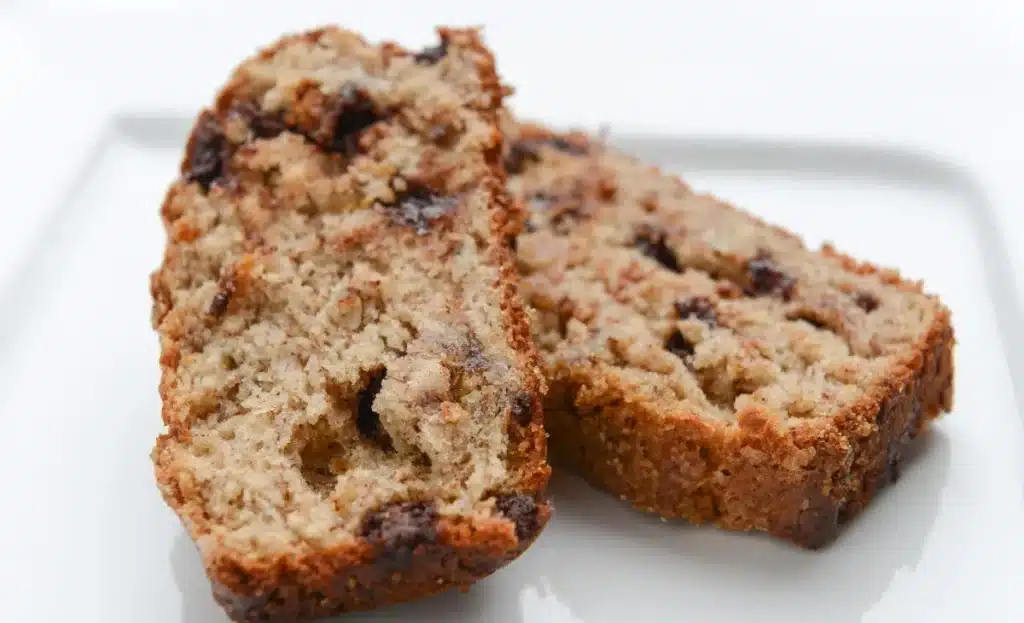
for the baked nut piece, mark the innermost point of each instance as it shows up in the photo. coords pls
(351, 398)
(703, 364)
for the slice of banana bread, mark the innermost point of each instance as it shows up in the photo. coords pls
(706, 365)
(351, 397)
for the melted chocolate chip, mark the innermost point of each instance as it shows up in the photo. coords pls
(866, 301)
(239, 607)
(678, 345)
(219, 304)
(698, 307)
(817, 524)
(564, 220)
(221, 300)
(207, 154)
(261, 124)
(519, 154)
(767, 279)
(419, 206)
(432, 55)
(399, 529)
(367, 420)
(526, 151)
(522, 510)
(899, 443)
(355, 112)
(522, 409)
(651, 242)
(266, 126)
(568, 147)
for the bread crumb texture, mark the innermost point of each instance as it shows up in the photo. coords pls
(705, 364)
(348, 382)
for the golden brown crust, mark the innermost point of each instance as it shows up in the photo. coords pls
(370, 571)
(356, 576)
(797, 478)
(798, 483)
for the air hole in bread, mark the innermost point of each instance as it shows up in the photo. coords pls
(368, 420)
(320, 456)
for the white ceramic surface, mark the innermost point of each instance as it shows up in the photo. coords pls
(898, 158)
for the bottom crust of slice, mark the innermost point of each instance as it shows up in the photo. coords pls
(408, 553)
(333, 583)
(799, 482)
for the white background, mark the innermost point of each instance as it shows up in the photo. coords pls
(943, 77)
(84, 537)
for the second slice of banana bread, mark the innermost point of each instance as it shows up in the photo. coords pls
(707, 365)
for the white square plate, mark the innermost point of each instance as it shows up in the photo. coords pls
(85, 536)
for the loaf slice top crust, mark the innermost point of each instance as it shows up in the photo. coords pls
(694, 304)
(345, 362)
(675, 311)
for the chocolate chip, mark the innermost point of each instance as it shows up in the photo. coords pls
(367, 420)
(529, 226)
(678, 345)
(525, 151)
(521, 509)
(262, 124)
(698, 307)
(651, 242)
(898, 444)
(568, 147)
(767, 279)
(266, 127)
(519, 154)
(418, 206)
(564, 220)
(219, 304)
(355, 112)
(207, 154)
(240, 607)
(522, 408)
(817, 525)
(866, 301)
(399, 529)
(226, 289)
(432, 55)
